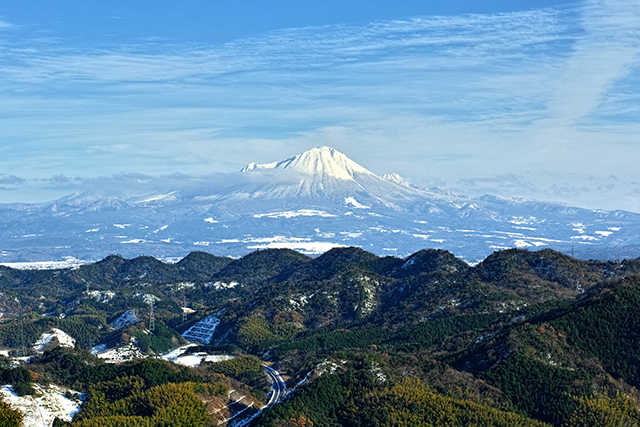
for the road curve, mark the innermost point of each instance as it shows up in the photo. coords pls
(279, 388)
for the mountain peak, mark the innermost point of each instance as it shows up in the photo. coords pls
(394, 177)
(325, 161)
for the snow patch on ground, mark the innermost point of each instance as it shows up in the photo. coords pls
(177, 352)
(178, 356)
(99, 349)
(579, 227)
(215, 358)
(157, 197)
(300, 300)
(147, 298)
(191, 360)
(350, 234)
(62, 337)
(306, 246)
(68, 262)
(42, 410)
(293, 214)
(164, 227)
(524, 244)
(585, 238)
(221, 285)
(105, 296)
(325, 367)
(408, 263)
(181, 285)
(134, 241)
(127, 318)
(120, 354)
(353, 202)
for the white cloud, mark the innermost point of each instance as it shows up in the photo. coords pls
(605, 53)
(436, 99)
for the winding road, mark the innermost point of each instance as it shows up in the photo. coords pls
(245, 416)
(279, 387)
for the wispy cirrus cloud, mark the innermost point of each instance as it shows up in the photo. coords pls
(438, 99)
(604, 53)
(470, 39)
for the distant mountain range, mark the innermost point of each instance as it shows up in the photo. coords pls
(311, 202)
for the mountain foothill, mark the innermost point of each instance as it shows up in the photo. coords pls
(523, 338)
(325, 289)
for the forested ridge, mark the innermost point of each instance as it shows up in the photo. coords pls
(522, 339)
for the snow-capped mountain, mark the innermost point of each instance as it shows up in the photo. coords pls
(323, 173)
(310, 202)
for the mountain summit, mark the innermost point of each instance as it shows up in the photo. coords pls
(324, 172)
(324, 161)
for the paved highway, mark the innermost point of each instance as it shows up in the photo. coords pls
(279, 388)
(244, 417)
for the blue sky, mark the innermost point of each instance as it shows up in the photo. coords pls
(529, 98)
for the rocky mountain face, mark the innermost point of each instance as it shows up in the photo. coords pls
(310, 203)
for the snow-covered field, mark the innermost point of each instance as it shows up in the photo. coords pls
(293, 214)
(178, 356)
(304, 245)
(41, 411)
(118, 354)
(46, 265)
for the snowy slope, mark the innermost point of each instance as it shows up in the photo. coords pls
(322, 161)
(310, 202)
(61, 337)
(193, 359)
(323, 173)
(203, 330)
(50, 402)
(125, 319)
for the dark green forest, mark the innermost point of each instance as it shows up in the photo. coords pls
(522, 339)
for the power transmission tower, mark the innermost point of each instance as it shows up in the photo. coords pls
(152, 319)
